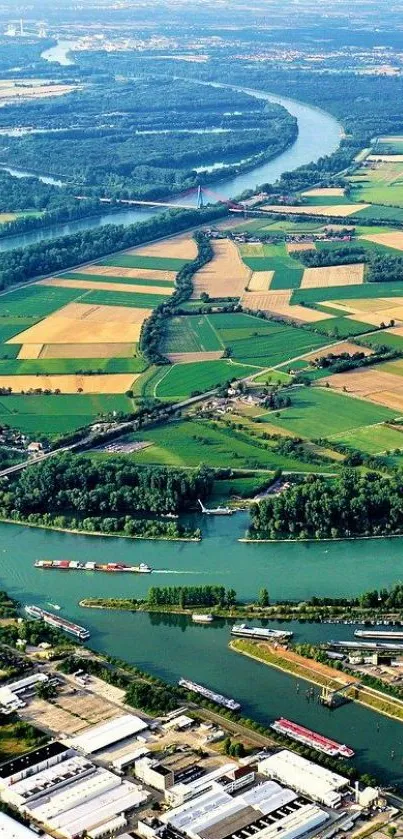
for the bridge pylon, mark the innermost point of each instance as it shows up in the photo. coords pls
(200, 201)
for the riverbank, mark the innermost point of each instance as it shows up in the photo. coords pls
(77, 532)
(320, 675)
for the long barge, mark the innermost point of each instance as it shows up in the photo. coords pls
(365, 645)
(109, 567)
(379, 633)
(241, 630)
(311, 738)
(75, 629)
(218, 698)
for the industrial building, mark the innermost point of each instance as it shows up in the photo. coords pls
(32, 762)
(10, 695)
(264, 811)
(98, 737)
(305, 777)
(193, 786)
(10, 829)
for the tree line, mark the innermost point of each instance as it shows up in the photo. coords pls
(350, 505)
(186, 596)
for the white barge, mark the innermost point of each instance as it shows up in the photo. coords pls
(260, 633)
(75, 629)
(218, 698)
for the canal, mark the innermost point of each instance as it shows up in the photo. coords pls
(171, 646)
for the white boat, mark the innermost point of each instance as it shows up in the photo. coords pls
(200, 618)
(259, 632)
(55, 606)
(215, 511)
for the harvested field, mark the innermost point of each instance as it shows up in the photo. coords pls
(86, 324)
(105, 286)
(189, 357)
(83, 351)
(337, 349)
(139, 273)
(59, 721)
(333, 275)
(108, 383)
(390, 240)
(386, 158)
(33, 89)
(180, 247)
(380, 316)
(321, 192)
(372, 384)
(225, 276)
(260, 280)
(366, 304)
(30, 351)
(297, 247)
(278, 302)
(342, 210)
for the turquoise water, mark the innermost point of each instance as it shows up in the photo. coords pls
(171, 646)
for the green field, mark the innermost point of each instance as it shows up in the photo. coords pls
(154, 263)
(145, 386)
(130, 281)
(395, 367)
(377, 439)
(342, 327)
(60, 366)
(318, 412)
(55, 415)
(190, 334)
(287, 271)
(183, 380)
(384, 339)
(123, 298)
(263, 343)
(190, 443)
(35, 301)
(352, 292)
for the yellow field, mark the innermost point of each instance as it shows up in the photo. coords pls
(278, 302)
(391, 240)
(131, 273)
(386, 158)
(4, 217)
(324, 192)
(189, 357)
(333, 275)
(260, 280)
(295, 247)
(85, 324)
(108, 383)
(83, 350)
(342, 210)
(180, 247)
(376, 304)
(33, 89)
(225, 275)
(376, 386)
(379, 316)
(100, 286)
(30, 351)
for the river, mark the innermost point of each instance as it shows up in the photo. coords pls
(171, 646)
(318, 135)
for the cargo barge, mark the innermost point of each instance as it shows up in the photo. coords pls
(241, 630)
(311, 738)
(365, 645)
(218, 698)
(379, 633)
(109, 568)
(59, 623)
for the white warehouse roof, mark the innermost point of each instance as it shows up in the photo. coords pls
(303, 775)
(99, 810)
(101, 736)
(10, 829)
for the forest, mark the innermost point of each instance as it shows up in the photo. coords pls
(185, 596)
(351, 505)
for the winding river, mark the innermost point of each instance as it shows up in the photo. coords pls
(318, 135)
(171, 646)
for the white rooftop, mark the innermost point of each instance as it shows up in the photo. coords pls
(101, 809)
(302, 774)
(101, 736)
(10, 829)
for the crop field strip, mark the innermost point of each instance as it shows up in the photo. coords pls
(58, 414)
(177, 247)
(191, 334)
(82, 275)
(181, 380)
(225, 275)
(110, 272)
(279, 303)
(151, 263)
(373, 439)
(98, 286)
(59, 366)
(288, 272)
(69, 383)
(373, 384)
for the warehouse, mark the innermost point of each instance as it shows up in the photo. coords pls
(182, 792)
(102, 736)
(29, 789)
(32, 762)
(99, 811)
(305, 777)
(10, 829)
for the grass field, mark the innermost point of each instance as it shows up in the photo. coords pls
(153, 263)
(288, 272)
(189, 443)
(130, 281)
(60, 366)
(377, 439)
(55, 415)
(35, 301)
(146, 384)
(342, 327)
(263, 343)
(357, 292)
(384, 338)
(181, 380)
(120, 298)
(317, 412)
(190, 334)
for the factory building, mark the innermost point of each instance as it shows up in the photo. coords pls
(10, 829)
(32, 762)
(10, 695)
(265, 811)
(191, 787)
(305, 777)
(99, 737)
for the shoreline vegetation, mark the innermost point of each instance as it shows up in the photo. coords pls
(191, 536)
(316, 673)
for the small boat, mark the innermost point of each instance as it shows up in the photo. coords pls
(202, 618)
(55, 606)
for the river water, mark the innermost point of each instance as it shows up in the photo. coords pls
(171, 646)
(318, 135)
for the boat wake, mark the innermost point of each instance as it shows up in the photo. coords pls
(169, 571)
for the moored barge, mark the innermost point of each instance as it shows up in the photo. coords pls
(75, 629)
(311, 738)
(218, 698)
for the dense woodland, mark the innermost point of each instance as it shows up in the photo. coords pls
(351, 505)
(185, 596)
